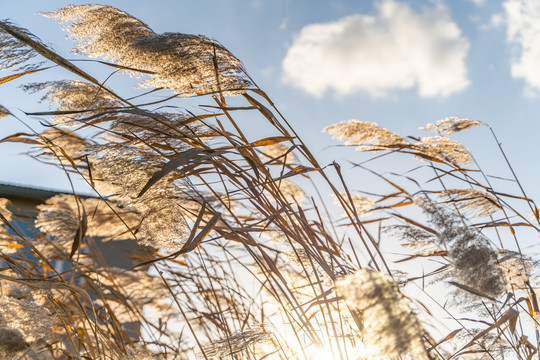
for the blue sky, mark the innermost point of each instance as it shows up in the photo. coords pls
(402, 64)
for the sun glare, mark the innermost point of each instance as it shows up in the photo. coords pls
(319, 353)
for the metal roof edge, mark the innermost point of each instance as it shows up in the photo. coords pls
(30, 193)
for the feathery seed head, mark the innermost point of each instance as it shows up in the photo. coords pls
(443, 149)
(451, 125)
(139, 352)
(362, 204)
(60, 217)
(237, 342)
(475, 265)
(366, 136)
(71, 95)
(474, 262)
(168, 130)
(132, 289)
(54, 138)
(14, 52)
(121, 171)
(100, 30)
(188, 64)
(391, 328)
(292, 192)
(7, 242)
(280, 153)
(32, 321)
(476, 202)
(518, 269)
(4, 210)
(419, 241)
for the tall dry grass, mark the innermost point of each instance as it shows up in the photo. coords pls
(235, 258)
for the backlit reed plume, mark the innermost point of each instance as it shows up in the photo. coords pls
(476, 202)
(4, 203)
(237, 342)
(79, 98)
(170, 132)
(87, 103)
(368, 136)
(129, 292)
(474, 261)
(57, 143)
(391, 330)
(443, 149)
(63, 215)
(34, 322)
(278, 154)
(121, 171)
(138, 352)
(362, 204)
(291, 192)
(519, 270)
(299, 265)
(365, 135)
(418, 241)
(14, 52)
(7, 245)
(60, 217)
(187, 64)
(451, 125)
(475, 264)
(123, 163)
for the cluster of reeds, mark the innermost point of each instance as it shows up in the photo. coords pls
(232, 256)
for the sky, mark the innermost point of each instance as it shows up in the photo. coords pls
(401, 64)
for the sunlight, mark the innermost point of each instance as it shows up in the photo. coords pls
(319, 353)
(327, 351)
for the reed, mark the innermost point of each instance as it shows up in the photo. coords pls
(235, 257)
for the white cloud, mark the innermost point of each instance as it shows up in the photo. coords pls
(523, 31)
(395, 49)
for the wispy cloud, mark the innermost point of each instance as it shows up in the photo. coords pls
(397, 48)
(284, 24)
(523, 32)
